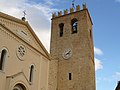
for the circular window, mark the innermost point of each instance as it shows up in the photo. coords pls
(21, 51)
(19, 87)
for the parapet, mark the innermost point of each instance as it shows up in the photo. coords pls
(72, 10)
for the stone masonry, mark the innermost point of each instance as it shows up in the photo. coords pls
(77, 72)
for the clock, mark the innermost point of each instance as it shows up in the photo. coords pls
(67, 54)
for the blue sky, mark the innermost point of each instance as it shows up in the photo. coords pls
(105, 15)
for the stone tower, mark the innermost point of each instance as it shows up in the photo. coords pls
(72, 65)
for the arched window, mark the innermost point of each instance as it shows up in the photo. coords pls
(3, 58)
(31, 73)
(74, 23)
(61, 26)
(19, 87)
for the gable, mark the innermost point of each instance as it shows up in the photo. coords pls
(22, 30)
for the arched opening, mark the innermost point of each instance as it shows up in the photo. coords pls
(3, 58)
(74, 23)
(31, 73)
(61, 26)
(19, 87)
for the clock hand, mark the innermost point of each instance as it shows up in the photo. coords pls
(68, 52)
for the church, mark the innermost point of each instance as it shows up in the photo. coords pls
(25, 64)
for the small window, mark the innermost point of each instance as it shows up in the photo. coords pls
(70, 76)
(61, 26)
(74, 23)
(31, 73)
(3, 58)
(90, 33)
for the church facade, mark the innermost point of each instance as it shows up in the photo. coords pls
(26, 65)
(24, 62)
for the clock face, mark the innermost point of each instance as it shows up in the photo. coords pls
(67, 54)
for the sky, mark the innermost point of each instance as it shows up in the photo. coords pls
(105, 15)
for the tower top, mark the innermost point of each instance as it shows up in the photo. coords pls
(72, 10)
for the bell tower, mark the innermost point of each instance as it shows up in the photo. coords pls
(72, 64)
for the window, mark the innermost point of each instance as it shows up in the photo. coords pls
(70, 76)
(74, 23)
(90, 33)
(3, 58)
(61, 26)
(31, 73)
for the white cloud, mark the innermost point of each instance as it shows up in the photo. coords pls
(110, 78)
(45, 38)
(98, 64)
(12, 8)
(98, 51)
(117, 0)
(118, 74)
(113, 78)
(49, 2)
